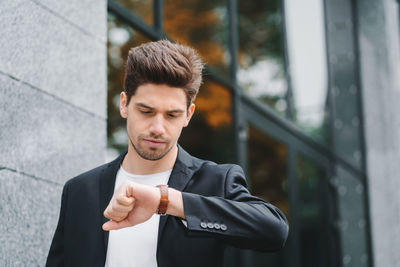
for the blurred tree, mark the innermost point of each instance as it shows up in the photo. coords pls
(260, 31)
(141, 8)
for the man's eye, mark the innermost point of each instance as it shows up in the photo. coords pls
(145, 111)
(171, 115)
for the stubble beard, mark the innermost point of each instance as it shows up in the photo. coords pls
(151, 154)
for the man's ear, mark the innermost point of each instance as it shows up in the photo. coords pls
(123, 108)
(189, 114)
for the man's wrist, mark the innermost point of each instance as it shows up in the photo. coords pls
(175, 207)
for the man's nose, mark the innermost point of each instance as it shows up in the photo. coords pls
(157, 125)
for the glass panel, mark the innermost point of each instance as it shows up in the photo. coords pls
(209, 134)
(261, 56)
(120, 39)
(308, 67)
(141, 8)
(352, 224)
(267, 179)
(312, 214)
(202, 25)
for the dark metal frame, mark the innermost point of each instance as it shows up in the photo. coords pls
(333, 196)
(368, 229)
(248, 110)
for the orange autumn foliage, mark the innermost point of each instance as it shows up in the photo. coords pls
(215, 104)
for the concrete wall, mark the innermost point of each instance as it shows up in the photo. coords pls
(52, 114)
(380, 72)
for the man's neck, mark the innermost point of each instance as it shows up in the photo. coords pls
(133, 163)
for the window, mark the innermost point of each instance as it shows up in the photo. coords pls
(267, 165)
(209, 134)
(202, 25)
(307, 66)
(261, 70)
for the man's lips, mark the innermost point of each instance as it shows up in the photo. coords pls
(154, 142)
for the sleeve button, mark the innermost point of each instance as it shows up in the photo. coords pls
(217, 226)
(224, 227)
(203, 225)
(210, 225)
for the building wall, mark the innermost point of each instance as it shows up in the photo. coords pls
(52, 115)
(380, 72)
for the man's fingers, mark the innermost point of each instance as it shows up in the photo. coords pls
(118, 212)
(125, 201)
(113, 225)
(116, 216)
(123, 209)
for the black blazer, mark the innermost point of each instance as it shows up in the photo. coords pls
(218, 207)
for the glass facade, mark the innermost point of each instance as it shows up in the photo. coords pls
(267, 176)
(267, 169)
(281, 98)
(313, 212)
(140, 8)
(209, 135)
(261, 52)
(203, 26)
(308, 67)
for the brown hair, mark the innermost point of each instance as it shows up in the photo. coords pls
(163, 62)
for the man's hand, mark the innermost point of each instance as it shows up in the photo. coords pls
(131, 204)
(134, 203)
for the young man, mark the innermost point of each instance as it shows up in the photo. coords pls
(110, 215)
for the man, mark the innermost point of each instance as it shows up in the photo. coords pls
(207, 205)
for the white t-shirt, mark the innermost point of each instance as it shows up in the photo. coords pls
(135, 246)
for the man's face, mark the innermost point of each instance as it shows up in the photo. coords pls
(155, 117)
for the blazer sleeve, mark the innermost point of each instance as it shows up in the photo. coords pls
(238, 218)
(56, 253)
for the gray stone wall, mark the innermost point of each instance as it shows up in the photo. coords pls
(52, 114)
(380, 72)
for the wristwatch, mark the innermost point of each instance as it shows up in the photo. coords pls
(163, 206)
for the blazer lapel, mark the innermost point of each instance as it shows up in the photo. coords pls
(180, 176)
(107, 183)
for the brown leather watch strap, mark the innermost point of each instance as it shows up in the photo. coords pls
(163, 206)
